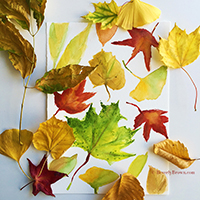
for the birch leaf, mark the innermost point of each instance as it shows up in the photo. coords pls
(97, 177)
(75, 49)
(127, 187)
(10, 145)
(180, 49)
(63, 164)
(54, 136)
(137, 165)
(175, 152)
(63, 78)
(21, 52)
(156, 181)
(105, 13)
(108, 72)
(57, 36)
(137, 13)
(17, 10)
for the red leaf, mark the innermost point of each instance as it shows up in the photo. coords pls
(153, 119)
(141, 40)
(43, 178)
(71, 100)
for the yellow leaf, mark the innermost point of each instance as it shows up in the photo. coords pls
(10, 145)
(175, 152)
(156, 181)
(137, 13)
(108, 71)
(127, 187)
(180, 49)
(54, 136)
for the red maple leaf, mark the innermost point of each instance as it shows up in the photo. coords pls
(42, 177)
(141, 40)
(71, 100)
(153, 119)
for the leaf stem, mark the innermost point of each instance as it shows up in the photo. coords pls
(86, 161)
(24, 171)
(27, 184)
(135, 106)
(130, 70)
(109, 96)
(196, 91)
(43, 166)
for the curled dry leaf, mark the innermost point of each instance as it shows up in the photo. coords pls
(175, 152)
(54, 136)
(127, 187)
(97, 177)
(156, 181)
(10, 145)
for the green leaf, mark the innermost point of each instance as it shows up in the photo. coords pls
(138, 164)
(97, 177)
(57, 36)
(105, 13)
(100, 135)
(75, 48)
(63, 78)
(63, 164)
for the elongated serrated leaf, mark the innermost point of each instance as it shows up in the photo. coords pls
(137, 165)
(63, 78)
(105, 13)
(97, 177)
(17, 10)
(57, 36)
(100, 135)
(75, 48)
(38, 7)
(12, 145)
(21, 52)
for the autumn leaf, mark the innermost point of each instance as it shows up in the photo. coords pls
(16, 10)
(108, 71)
(136, 13)
(10, 145)
(72, 99)
(105, 35)
(141, 40)
(42, 177)
(54, 136)
(97, 177)
(75, 49)
(175, 152)
(21, 52)
(63, 78)
(153, 119)
(38, 7)
(156, 181)
(57, 36)
(105, 13)
(137, 165)
(100, 135)
(127, 187)
(63, 164)
(150, 87)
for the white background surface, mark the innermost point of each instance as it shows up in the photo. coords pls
(184, 122)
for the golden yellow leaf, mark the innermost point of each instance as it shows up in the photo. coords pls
(156, 181)
(175, 152)
(180, 49)
(127, 187)
(54, 136)
(137, 13)
(108, 71)
(10, 145)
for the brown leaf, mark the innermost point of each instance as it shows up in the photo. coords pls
(156, 181)
(175, 152)
(127, 187)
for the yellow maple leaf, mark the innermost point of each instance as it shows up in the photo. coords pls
(54, 136)
(175, 152)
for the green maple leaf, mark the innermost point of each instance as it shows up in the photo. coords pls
(100, 135)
